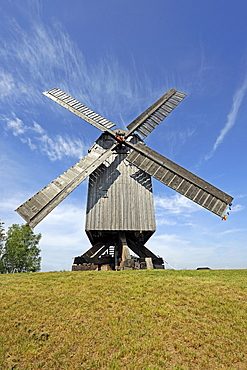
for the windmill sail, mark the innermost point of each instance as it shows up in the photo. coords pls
(179, 179)
(154, 115)
(79, 109)
(42, 203)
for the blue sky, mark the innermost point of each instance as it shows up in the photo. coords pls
(118, 57)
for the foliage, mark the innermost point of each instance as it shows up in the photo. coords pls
(20, 252)
(124, 320)
(2, 235)
(2, 239)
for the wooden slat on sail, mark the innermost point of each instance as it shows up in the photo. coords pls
(179, 179)
(151, 118)
(79, 109)
(42, 203)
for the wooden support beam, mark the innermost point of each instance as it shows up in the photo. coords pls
(140, 248)
(90, 252)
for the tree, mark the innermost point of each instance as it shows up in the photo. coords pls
(2, 239)
(20, 252)
(2, 235)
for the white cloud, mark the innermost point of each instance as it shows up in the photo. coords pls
(63, 236)
(216, 252)
(16, 126)
(9, 201)
(237, 208)
(161, 220)
(9, 204)
(174, 210)
(175, 204)
(230, 231)
(6, 84)
(37, 128)
(60, 147)
(179, 251)
(239, 196)
(63, 231)
(55, 148)
(29, 142)
(231, 118)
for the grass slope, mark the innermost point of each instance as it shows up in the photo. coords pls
(124, 320)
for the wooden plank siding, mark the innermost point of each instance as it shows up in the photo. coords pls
(119, 194)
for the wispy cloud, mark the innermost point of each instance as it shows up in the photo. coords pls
(16, 125)
(237, 208)
(6, 84)
(231, 118)
(176, 204)
(60, 147)
(230, 231)
(40, 57)
(37, 138)
(63, 236)
(175, 249)
(171, 210)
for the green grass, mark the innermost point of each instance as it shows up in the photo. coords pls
(124, 320)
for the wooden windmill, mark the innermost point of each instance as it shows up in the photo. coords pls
(120, 211)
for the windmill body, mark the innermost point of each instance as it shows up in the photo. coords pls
(120, 210)
(119, 194)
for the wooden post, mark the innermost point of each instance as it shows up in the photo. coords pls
(149, 263)
(125, 249)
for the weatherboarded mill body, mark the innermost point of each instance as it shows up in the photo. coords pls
(119, 194)
(120, 210)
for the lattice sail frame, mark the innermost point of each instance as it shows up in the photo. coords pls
(42, 203)
(179, 179)
(154, 115)
(82, 111)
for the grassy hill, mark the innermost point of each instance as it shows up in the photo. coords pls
(124, 320)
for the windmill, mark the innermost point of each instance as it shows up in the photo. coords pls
(120, 210)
